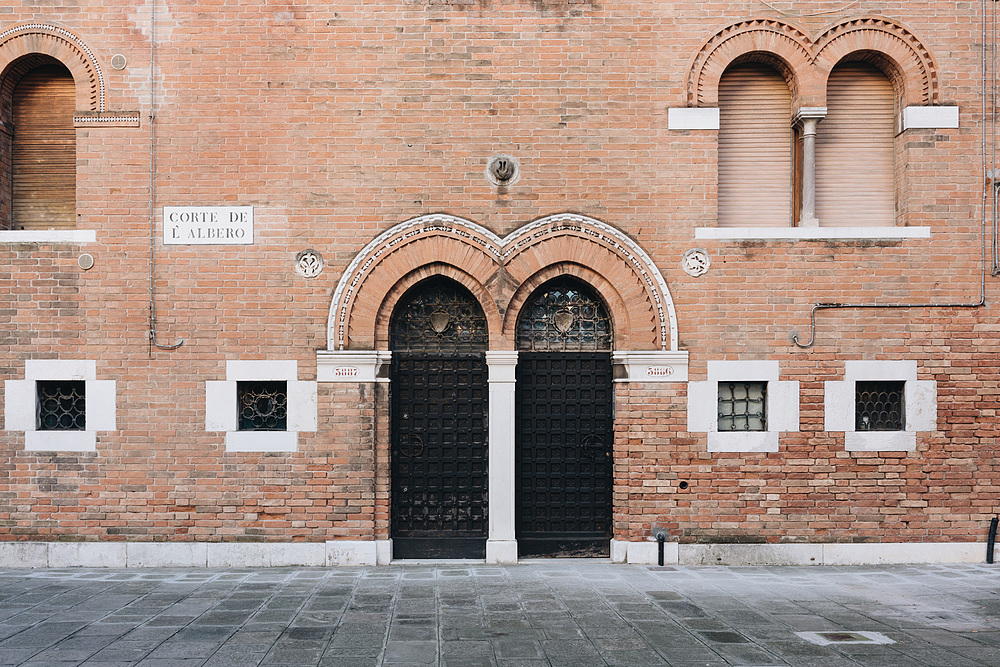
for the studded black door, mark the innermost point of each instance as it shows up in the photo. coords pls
(439, 431)
(565, 421)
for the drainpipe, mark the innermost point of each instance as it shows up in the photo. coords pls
(152, 185)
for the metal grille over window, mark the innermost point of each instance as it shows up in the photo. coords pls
(878, 406)
(62, 405)
(263, 405)
(440, 316)
(565, 316)
(742, 406)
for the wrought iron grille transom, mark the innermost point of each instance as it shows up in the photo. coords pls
(742, 406)
(262, 405)
(62, 405)
(565, 315)
(878, 405)
(439, 316)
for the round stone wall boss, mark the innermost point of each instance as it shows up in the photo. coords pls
(696, 262)
(86, 261)
(309, 263)
(502, 170)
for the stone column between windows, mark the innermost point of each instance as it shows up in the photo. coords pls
(808, 118)
(501, 545)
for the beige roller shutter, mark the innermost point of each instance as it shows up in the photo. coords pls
(755, 148)
(44, 150)
(854, 150)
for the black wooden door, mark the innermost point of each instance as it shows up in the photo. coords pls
(565, 423)
(563, 457)
(439, 451)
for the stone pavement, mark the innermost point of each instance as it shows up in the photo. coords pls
(577, 614)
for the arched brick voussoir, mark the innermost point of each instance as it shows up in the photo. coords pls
(383, 316)
(625, 335)
(569, 241)
(20, 42)
(470, 248)
(428, 251)
(780, 45)
(890, 46)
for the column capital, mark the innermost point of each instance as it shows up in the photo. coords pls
(809, 113)
(501, 364)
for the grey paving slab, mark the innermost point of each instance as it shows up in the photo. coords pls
(576, 614)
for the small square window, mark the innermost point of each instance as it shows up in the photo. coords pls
(61, 405)
(262, 405)
(878, 406)
(742, 406)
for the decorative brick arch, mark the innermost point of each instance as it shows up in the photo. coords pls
(776, 43)
(888, 45)
(388, 262)
(806, 62)
(610, 261)
(20, 47)
(501, 273)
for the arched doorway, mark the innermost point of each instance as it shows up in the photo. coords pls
(564, 416)
(439, 451)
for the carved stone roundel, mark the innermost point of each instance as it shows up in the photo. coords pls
(309, 263)
(696, 262)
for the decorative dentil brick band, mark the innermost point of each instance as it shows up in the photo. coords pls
(806, 61)
(501, 251)
(62, 45)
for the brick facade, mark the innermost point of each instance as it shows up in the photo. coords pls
(338, 122)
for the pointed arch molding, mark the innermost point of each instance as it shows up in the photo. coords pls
(67, 48)
(501, 265)
(811, 58)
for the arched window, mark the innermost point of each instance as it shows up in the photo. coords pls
(854, 149)
(42, 149)
(755, 148)
(565, 316)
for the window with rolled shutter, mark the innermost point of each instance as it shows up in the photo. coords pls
(755, 148)
(854, 149)
(44, 150)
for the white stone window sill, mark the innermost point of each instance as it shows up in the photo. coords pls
(810, 233)
(884, 441)
(743, 441)
(78, 236)
(262, 441)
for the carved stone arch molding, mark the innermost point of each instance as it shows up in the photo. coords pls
(806, 61)
(777, 43)
(890, 46)
(56, 42)
(501, 272)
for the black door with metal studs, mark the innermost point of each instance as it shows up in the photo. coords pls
(439, 399)
(563, 457)
(565, 423)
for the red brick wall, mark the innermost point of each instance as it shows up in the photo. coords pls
(337, 121)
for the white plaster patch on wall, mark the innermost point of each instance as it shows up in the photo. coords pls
(700, 118)
(929, 118)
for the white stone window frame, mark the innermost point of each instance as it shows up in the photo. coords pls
(919, 406)
(221, 413)
(21, 409)
(782, 411)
